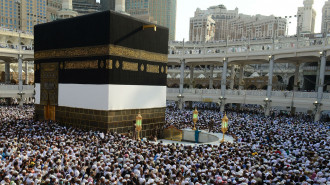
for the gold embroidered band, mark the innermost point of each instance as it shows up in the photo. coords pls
(130, 66)
(93, 64)
(152, 68)
(113, 50)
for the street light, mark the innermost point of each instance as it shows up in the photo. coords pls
(317, 104)
(21, 98)
(267, 102)
(224, 127)
(180, 96)
(222, 100)
(20, 80)
(138, 125)
(195, 117)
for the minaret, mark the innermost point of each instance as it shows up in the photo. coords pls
(67, 5)
(120, 6)
(66, 11)
(306, 17)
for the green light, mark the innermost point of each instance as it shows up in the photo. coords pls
(139, 122)
(195, 116)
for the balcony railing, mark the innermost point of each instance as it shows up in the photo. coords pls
(4, 87)
(15, 46)
(262, 93)
(15, 31)
(175, 48)
(314, 68)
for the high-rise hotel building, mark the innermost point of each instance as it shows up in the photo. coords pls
(219, 23)
(22, 15)
(85, 6)
(326, 17)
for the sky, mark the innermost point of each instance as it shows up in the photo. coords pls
(279, 8)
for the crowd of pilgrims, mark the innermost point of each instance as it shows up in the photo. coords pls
(279, 149)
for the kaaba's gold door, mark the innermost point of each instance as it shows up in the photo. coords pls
(49, 89)
(49, 112)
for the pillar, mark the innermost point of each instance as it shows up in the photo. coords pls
(26, 73)
(317, 116)
(270, 86)
(232, 77)
(296, 78)
(270, 77)
(20, 79)
(241, 75)
(7, 72)
(320, 86)
(211, 77)
(317, 76)
(181, 76)
(232, 81)
(7, 79)
(301, 80)
(295, 87)
(191, 85)
(223, 83)
(321, 77)
(181, 102)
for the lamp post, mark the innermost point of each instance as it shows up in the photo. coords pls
(20, 80)
(21, 98)
(138, 125)
(180, 106)
(224, 127)
(222, 101)
(317, 110)
(195, 117)
(267, 106)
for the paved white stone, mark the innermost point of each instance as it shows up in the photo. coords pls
(219, 135)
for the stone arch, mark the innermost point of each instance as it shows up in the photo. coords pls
(290, 84)
(280, 78)
(218, 86)
(252, 87)
(175, 86)
(198, 86)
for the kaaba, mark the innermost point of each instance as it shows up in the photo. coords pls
(98, 71)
